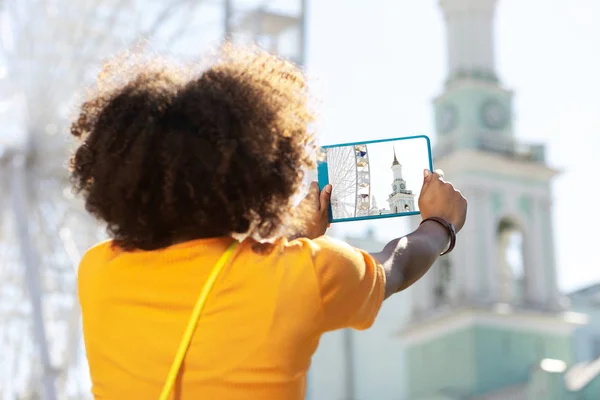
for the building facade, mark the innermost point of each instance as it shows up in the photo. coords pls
(587, 338)
(487, 322)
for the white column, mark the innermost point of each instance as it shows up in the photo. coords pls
(535, 268)
(468, 257)
(552, 291)
(491, 248)
(459, 264)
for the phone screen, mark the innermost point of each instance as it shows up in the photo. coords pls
(375, 179)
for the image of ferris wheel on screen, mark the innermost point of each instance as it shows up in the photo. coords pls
(375, 179)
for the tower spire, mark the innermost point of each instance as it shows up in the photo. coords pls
(395, 159)
(470, 38)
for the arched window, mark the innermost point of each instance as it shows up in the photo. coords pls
(511, 263)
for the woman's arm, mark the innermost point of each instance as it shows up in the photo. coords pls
(407, 259)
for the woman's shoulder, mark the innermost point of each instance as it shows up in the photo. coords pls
(313, 247)
(96, 255)
(319, 244)
(99, 250)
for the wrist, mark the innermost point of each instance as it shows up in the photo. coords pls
(439, 236)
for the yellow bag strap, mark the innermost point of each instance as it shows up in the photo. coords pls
(193, 321)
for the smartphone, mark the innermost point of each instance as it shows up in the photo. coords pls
(374, 179)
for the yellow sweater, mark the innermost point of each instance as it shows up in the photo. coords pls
(258, 331)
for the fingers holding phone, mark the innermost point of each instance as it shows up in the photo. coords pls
(440, 199)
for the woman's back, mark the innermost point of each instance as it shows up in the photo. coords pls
(259, 328)
(171, 153)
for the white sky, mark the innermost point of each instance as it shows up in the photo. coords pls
(378, 65)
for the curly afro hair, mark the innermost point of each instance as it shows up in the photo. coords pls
(177, 152)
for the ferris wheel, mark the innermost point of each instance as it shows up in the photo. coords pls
(350, 176)
(50, 50)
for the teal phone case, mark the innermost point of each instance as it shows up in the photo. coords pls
(323, 177)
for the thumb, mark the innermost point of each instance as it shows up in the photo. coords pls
(325, 197)
(313, 194)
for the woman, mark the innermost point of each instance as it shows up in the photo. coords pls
(177, 164)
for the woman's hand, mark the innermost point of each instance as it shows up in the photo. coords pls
(314, 210)
(439, 198)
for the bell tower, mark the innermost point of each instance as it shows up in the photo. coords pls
(488, 311)
(401, 199)
(475, 110)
